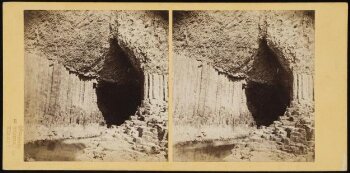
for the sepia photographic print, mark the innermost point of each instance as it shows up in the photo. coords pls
(147, 86)
(96, 85)
(243, 86)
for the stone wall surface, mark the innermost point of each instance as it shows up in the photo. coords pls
(203, 96)
(156, 87)
(54, 96)
(146, 39)
(82, 40)
(303, 89)
(67, 54)
(77, 39)
(235, 43)
(291, 35)
(217, 52)
(229, 40)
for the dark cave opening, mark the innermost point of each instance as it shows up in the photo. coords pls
(266, 102)
(117, 102)
(269, 88)
(120, 89)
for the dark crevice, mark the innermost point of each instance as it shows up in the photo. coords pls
(117, 102)
(120, 88)
(266, 102)
(269, 88)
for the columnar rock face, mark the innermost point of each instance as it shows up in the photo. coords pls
(216, 52)
(156, 87)
(290, 34)
(69, 53)
(203, 96)
(54, 96)
(303, 88)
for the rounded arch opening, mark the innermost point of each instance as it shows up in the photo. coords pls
(120, 87)
(269, 87)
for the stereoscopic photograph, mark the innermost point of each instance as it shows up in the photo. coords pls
(175, 86)
(243, 86)
(95, 85)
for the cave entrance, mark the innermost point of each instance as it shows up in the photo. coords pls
(268, 87)
(117, 102)
(120, 88)
(266, 102)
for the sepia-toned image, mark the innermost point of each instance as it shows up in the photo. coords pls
(95, 85)
(144, 86)
(243, 86)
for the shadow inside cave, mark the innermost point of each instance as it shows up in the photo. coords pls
(269, 88)
(117, 102)
(266, 102)
(120, 88)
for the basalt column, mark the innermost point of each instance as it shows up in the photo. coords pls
(204, 97)
(303, 91)
(291, 35)
(156, 88)
(54, 96)
(150, 36)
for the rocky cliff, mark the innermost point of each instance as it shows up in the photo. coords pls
(88, 69)
(234, 68)
(204, 96)
(82, 40)
(54, 96)
(229, 40)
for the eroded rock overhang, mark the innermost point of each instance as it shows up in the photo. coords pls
(81, 40)
(93, 51)
(230, 43)
(229, 40)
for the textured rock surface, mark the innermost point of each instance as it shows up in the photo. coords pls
(291, 35)
(229, 40)
(151, 134)
(77, 39)
(142, 138)
(81, 40)
(156, 87)
(303, 88)
(241, 48)
(68, 56)
(215, 50)
(146, 40)
(292, 136)
(202, 96)
(53, 96)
